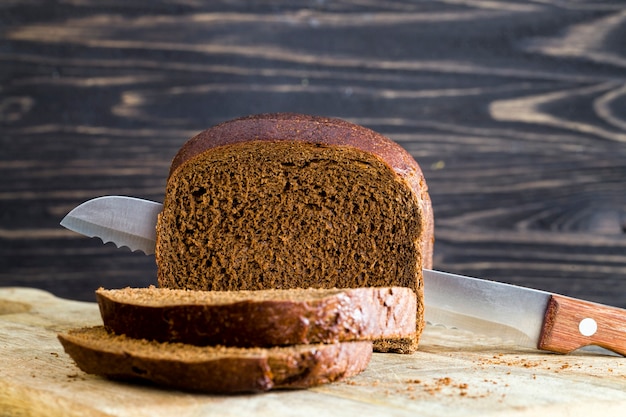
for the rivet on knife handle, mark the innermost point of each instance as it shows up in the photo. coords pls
(570, 324)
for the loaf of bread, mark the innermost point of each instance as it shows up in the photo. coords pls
(262, 318)
(283, 201)
(214, 369)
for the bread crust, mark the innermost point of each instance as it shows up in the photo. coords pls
(261, 318)
(324, 131)
(213, 369)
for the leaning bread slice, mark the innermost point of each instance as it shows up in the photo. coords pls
(213, 369)
(260, 318)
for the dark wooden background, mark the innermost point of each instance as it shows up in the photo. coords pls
(516, 110)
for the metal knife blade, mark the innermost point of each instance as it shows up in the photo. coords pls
(125, 221)
(528, 317)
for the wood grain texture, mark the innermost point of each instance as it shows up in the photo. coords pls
(515, 110)
(571, 324)
(454, 374)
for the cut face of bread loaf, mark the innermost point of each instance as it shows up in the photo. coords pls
(260, 318)
(292, 201)
(213, 369)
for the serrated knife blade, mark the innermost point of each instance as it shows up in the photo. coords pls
(125, 221)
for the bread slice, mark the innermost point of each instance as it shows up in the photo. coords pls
(294, 201)
(213, 369)
(260, 318)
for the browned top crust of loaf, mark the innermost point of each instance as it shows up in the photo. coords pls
(305, 128)
(260, 318)
(321, 130)
(213, 369)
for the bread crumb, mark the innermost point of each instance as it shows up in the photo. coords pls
(444, 381)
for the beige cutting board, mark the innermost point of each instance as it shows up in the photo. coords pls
(453, 374)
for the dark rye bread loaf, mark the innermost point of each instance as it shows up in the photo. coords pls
(213, 369)
(288, 201)
(261, 318)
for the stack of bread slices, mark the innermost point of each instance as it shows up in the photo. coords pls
(289, 246)
(239, 341)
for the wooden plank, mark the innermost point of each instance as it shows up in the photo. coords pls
(454, 374)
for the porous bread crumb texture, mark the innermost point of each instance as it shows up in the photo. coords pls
(287, 214)
(214, 369)
(406, 344)
(160, 297)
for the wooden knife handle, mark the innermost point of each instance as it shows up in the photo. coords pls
(570, 324)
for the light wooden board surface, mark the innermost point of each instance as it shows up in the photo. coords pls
(454, 374)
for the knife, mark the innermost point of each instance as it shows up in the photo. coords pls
(528, 317)
(125, 221)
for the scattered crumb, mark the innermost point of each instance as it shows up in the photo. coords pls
(76, 377)
(444, 381)
(494, 384)
(443, 385)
